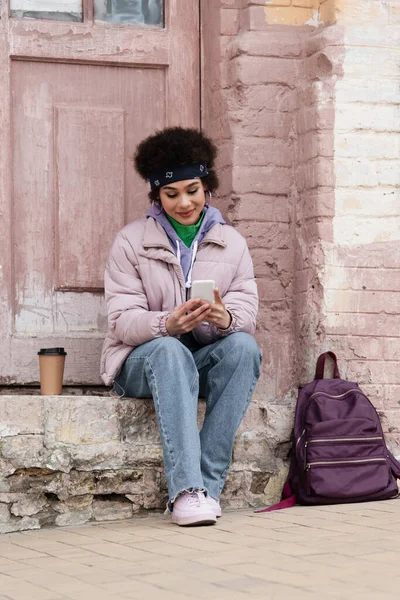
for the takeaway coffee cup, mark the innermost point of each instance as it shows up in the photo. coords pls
(51, 365)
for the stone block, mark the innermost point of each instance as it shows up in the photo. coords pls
(81, 420)
(112, 510)
(23, 450)
(107, 455)
(28, 505)
(74, 518)
(20, 416)
(137, 421)
(15, 524)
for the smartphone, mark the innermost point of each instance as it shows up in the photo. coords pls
(203, 289)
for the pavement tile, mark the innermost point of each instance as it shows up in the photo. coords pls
(305, 553)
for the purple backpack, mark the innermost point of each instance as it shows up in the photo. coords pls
(339, 453)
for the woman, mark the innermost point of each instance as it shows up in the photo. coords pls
(166, 345)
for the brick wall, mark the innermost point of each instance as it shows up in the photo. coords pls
(362, 275)
(310, 151)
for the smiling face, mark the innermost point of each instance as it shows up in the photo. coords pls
(184, 200)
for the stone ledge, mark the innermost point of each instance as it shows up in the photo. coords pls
(66, 460)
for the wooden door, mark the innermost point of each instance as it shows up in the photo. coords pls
(81, 85)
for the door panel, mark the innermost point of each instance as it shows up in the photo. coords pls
(79, 105)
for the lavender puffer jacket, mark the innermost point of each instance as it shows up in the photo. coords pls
(144, 283)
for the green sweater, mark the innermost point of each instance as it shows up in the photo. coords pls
(187, 233)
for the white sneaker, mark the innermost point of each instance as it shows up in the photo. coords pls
(215, 505)
(192, 508)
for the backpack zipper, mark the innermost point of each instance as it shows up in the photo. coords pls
(331, 396)
(336, 462)
(344, 462)
(363, 439)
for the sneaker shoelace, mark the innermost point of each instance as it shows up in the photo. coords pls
(194, 498)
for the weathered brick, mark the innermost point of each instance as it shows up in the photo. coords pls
(315, 144)
(365, 117)
(251, 70)
(355, 173)
(391, 348)
(392, 397)
(361, 324)
(318, 203)
(367, 91)
(350, 347)
(374, 202)
(266, 235)
(271, 290)
(351, 230)
(358, 256)
(314, 173)
(263, 123)
(362, 278)
(365, 144)
(365, 11)
(264, 180)
(305, 3)
(327, 12)
(391, 255)
(262, 152)
(375, 372)
(277, 15)
(361, 61)
(262, 207)
(269, 43)
(230, 21)
(271, 97)
(361, 301)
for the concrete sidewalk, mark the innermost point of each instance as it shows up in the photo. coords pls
(348, 552)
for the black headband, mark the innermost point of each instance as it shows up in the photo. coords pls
(160, 178)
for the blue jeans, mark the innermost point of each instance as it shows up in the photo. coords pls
(174, 375)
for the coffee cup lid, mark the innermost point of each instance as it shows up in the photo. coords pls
(52, 351)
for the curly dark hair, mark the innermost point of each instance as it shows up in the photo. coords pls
(176, 147)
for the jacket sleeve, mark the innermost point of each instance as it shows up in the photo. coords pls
(241, 300)
(129, 317)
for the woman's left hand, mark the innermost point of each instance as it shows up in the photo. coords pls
(218, 315)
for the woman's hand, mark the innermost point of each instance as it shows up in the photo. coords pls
(218, 314)
(182, 321)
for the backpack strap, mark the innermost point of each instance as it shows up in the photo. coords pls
(319, 371)
(288, 500)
